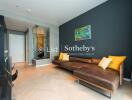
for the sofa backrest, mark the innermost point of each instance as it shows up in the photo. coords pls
(85, 60)
(96, 61)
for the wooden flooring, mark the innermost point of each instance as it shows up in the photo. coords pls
(52, 83)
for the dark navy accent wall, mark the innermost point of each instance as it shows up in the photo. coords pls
(111, 24)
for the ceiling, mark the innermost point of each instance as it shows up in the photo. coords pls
(17, 25)
(55, 12)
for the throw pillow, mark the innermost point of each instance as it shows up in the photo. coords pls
(65, 57)
(116, 62)
(61, 56)
(104, 63)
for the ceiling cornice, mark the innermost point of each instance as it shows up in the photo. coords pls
(25, 18)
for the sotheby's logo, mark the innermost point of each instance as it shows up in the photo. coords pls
(82, 48)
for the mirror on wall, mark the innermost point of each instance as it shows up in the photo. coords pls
(41, 42)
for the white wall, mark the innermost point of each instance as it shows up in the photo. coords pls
(30, 45)
(54, 41)
(27, 43)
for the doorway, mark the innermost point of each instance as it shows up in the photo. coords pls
(17, 46)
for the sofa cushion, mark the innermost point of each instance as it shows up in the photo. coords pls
(72, 65)
(95, 61)
(57, 62)
(108, 78)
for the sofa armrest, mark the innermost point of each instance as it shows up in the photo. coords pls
(121, 73)
(56, 57)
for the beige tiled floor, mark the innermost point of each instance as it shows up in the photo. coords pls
(51, 83)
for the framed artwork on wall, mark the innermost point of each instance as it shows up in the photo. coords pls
(83, 33)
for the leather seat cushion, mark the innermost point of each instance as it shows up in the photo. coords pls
(57, 62)
(107, 78)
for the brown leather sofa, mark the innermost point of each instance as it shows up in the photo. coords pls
(87, 70)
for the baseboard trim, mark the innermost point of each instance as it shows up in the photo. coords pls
(126, 79)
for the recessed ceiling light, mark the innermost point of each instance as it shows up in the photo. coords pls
(17, 6)
(28, 10)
